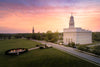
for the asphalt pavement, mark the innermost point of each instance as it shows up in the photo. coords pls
(72, 51)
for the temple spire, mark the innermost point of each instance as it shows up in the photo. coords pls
(71, 22)
(33, 30)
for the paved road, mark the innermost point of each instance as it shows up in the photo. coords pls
(73, 52)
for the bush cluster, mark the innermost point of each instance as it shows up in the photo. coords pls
(96, 50)
(83, 47)
(72, 44)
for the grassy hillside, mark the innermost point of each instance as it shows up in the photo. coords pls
(39, 57)
(16, 43)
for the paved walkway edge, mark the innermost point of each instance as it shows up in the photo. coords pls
(73, 54)
(79, 57)
(33, 48)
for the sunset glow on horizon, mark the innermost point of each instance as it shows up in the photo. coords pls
(20, 16)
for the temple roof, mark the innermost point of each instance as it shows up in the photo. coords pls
(75, 30)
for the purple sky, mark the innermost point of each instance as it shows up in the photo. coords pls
(22, 9)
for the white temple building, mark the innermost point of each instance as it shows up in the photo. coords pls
(76, 35)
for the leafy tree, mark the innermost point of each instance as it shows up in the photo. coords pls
(17, 36)
(49, 36)
(52, 37)
(55, 36)
(96, 36)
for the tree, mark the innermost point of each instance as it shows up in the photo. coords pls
(29, 36)
(49, 36)
(52, 37)
(55, 36)
(17, 36)
(96, 36)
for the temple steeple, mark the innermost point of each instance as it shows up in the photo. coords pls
(71, 22)
(33, 30)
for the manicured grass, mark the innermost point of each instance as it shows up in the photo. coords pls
(16, 43)
(39, 58)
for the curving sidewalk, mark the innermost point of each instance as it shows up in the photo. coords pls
(33, 48)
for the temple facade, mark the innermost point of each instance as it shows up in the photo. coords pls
(76, 35)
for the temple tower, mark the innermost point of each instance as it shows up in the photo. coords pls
(71, 22)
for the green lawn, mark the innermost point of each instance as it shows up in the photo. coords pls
(39, 57)
(16, 43)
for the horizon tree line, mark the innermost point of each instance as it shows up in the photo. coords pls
(48, 36)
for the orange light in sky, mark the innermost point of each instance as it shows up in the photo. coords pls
(22, 19)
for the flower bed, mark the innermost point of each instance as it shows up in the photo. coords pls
(16, 51)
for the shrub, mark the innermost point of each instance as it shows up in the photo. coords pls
(41, 47)
(37, 45)
(83, 47)
(72, 44)
(96, 50)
